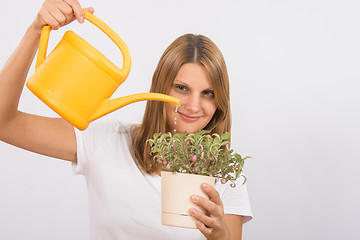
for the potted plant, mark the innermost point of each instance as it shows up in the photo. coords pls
(188, 157)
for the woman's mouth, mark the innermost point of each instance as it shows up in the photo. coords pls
(188, 118)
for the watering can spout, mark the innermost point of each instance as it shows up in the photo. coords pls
(109, 106)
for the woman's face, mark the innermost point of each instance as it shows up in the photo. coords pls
(192, 86)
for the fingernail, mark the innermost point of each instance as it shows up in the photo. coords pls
(192, 211)
(205, 185)
(195, 198)
(81, 19)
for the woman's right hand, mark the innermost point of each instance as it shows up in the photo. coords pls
(58, 13)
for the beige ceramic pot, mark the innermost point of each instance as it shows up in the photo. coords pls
(176, 192)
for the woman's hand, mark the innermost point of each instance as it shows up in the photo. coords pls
(58, 13)
(212, 225)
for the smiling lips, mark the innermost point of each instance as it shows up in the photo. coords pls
(188, 118)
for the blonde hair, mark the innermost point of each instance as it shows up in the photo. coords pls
(188, 48)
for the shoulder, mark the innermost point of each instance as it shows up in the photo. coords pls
(103, 139)
(108, 126)
(101, 132)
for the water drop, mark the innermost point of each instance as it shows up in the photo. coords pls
(176, 111)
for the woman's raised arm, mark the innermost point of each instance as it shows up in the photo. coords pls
(52, 137)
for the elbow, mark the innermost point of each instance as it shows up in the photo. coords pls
(5, 127)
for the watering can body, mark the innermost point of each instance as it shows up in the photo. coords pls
(76, 80)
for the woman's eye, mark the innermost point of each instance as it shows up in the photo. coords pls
(180, 88)
(209, 93)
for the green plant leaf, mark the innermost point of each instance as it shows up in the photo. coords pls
(197, 153)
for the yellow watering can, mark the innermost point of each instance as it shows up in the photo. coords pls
(76, 80)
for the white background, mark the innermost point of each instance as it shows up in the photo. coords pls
(294, 72)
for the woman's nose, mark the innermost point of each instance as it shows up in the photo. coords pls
(192, 103)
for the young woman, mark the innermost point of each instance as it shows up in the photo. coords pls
(123, 180)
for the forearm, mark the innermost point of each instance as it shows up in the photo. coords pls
(234, 223)
(14, 73)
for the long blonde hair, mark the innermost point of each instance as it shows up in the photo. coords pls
(188, 48)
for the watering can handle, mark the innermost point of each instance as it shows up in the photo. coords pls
(44, 39)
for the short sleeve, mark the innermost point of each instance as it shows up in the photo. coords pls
(236, 200)
(88, 141)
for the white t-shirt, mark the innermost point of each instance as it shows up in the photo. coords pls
(124, 203)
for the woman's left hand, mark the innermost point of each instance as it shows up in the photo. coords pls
(212, 225)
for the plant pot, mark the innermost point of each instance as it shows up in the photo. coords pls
(176, 192)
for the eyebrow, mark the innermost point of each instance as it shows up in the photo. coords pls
(179, 81)
(186, 85)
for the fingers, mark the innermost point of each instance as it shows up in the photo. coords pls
(90, 10)
(205, 224)
(64, 13)
(76, 7)
(205, 220)
(212, 193)
(214, 206)
(203, 229)
(58, 16)
(58, 13)
(212, 226)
